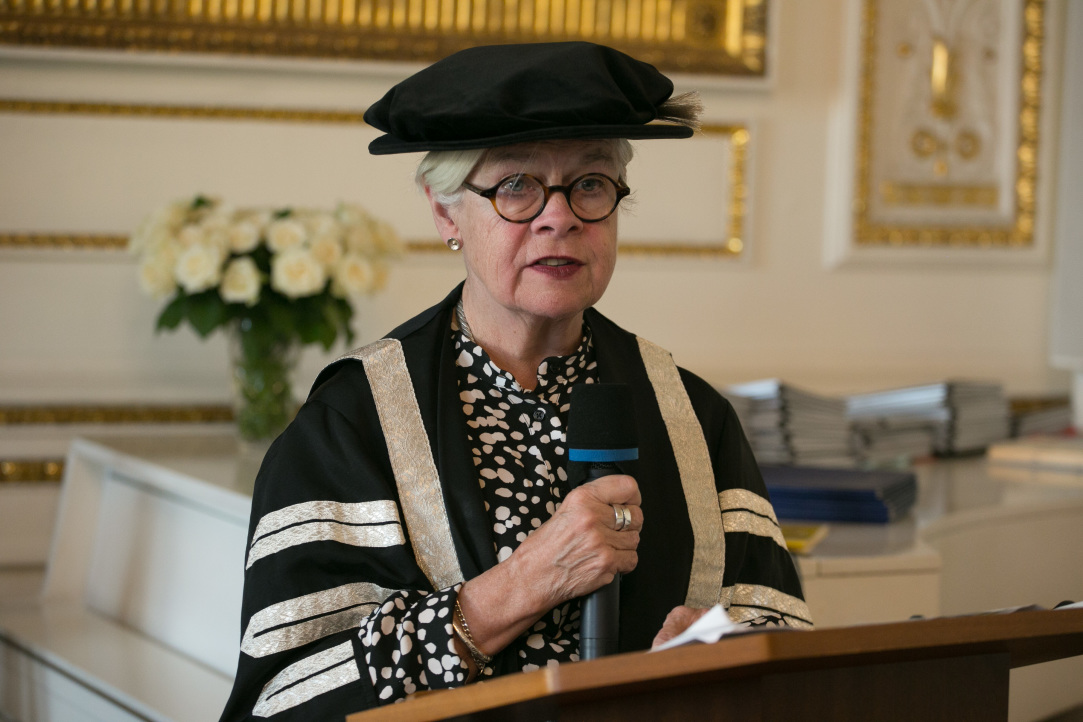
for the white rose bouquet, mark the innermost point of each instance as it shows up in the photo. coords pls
(278, 278)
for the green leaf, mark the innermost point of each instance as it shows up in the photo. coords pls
(206, 312)
(283, 317)
(312, 325)
(261, 255)
(173, 314)
(337, 313)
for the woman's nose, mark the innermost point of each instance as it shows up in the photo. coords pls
(558, 214)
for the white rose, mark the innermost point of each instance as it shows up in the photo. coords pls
(240, 282)
(243, 236)
(326, 248)
(354, 274)
(285, 234)
(217, 220)
(297, 273)
(156, 273)
(349, 214)
(320, 223)
(147, 237)
(198, 268)
(258, 217)
(192, 235)
(161, 224)
(218, 238)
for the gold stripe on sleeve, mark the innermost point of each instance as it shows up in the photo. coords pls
(361, 524)
(747, 511)
(377, 535)
(743, 521)
(731, 499)
(365, 512)
(298, 621)
(697, 475)
(308, 678)
(749, 601)
(416, 477)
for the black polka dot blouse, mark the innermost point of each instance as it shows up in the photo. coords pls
(517, 441)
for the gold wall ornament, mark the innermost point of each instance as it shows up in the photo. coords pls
(948, 123)
(724, 37)
(290, 115)
(735, 137)
(28, 414)
(31, 470)
(28, 470)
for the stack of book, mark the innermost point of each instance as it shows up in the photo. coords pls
(962, 416)
(839, 495)
(786, 425)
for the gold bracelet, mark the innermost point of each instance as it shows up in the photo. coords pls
(462, 630)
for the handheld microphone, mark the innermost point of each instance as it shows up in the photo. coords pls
(601, 441)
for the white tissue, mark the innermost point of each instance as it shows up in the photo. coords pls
(708, 629)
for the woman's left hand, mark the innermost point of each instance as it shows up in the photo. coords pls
(678, 620)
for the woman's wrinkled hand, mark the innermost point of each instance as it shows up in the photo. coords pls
(678, 620)
(579, 550)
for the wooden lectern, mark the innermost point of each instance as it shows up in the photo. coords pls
(939, 669)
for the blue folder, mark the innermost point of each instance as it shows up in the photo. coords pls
(825, 494)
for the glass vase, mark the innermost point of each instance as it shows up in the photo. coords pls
(263, 365)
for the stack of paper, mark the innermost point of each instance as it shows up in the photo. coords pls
(963, 416)
(851, 495)
(1042, 415)
(786, 425)
(888, 441)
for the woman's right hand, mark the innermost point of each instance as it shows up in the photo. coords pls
(578, 549)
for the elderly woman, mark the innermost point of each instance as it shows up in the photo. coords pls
(414, 529)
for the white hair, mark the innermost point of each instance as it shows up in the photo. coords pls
(444, 171)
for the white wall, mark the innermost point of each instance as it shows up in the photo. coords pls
(74, 327)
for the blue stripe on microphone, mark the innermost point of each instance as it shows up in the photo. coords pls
(603, 456)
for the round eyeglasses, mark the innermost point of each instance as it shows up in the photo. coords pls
(521, 198)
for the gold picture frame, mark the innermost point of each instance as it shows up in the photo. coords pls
(719, 37)
(948, 124)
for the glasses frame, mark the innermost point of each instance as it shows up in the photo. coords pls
(565, 190)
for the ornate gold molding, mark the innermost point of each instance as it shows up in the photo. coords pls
(63, 241)
(118, 242)
(31, 470)
(737, 136)
(1020, 232)
(115, 414)
(52, 469)
(182, 111)
(727, 37)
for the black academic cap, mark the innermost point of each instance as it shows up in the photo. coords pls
(501, 94)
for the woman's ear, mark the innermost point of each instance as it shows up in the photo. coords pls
(445, 224)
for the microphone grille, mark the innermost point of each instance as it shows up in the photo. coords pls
(601, 416)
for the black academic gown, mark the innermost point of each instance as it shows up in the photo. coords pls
(336, 450)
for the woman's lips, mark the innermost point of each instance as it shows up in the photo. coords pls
(557, 267)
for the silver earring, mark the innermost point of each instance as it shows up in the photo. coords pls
(454, 244)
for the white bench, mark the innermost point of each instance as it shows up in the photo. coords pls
(139, 613)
